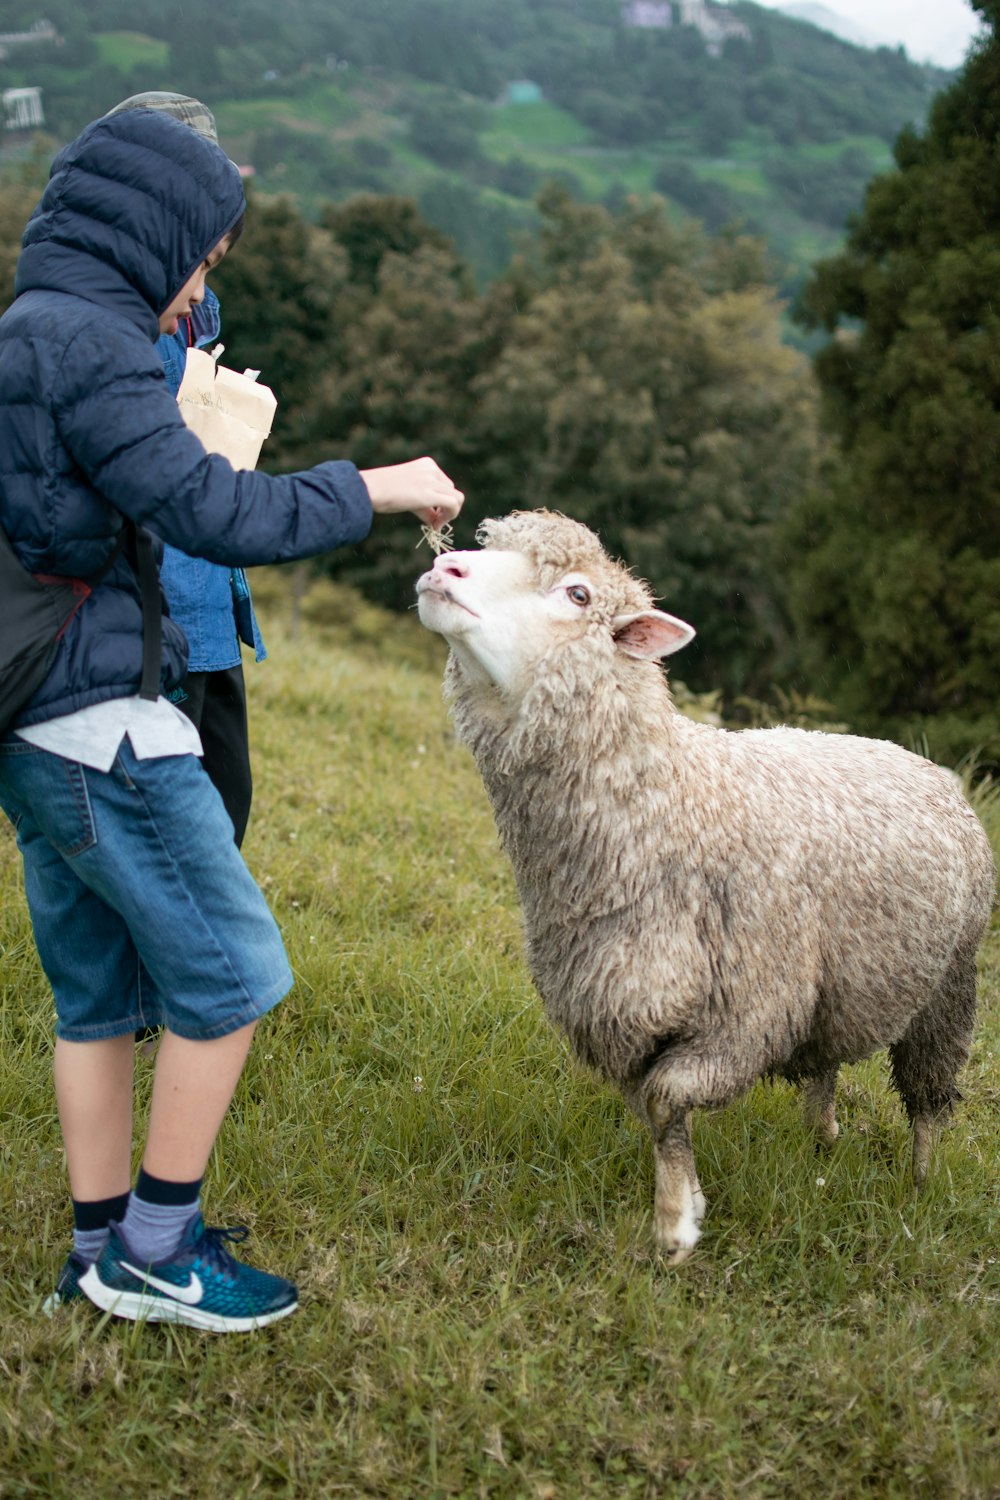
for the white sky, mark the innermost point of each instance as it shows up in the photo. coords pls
(931, 30)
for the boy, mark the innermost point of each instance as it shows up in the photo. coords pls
(143, 910)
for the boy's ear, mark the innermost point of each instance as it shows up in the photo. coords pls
(651, 634)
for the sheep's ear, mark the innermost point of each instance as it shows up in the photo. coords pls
(651, 633)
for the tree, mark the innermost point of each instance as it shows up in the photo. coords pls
(404, 385)
(643, 388)
(18, 198)
(624, 371)
(444, 128)
(287, 302)
(621, 370)
(895, 558)
(369, 330)
(371, 226)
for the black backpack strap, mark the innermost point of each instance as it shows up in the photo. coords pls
(152, 621)
(143, 560)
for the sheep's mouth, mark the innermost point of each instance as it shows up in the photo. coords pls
(447, 595)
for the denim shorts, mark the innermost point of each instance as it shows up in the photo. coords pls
(143, 909)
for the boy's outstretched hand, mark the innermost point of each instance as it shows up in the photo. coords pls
(420, 486)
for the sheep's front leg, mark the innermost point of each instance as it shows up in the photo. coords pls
(679, 1204)
(819, 1098)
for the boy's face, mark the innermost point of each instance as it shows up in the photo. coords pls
(193, 290)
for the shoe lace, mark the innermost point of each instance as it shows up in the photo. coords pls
(212, 1251)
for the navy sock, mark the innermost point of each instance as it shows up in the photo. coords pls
(158, 1213)
(91, 1218)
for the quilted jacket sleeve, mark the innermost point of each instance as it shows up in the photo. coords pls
(120, 425)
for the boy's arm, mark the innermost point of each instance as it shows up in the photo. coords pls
(124, 431)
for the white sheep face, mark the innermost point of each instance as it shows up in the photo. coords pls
(500, 620)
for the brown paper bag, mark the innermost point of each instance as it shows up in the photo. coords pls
(232, 414)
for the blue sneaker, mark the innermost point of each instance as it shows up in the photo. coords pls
(68, 1285)
(200, 1284)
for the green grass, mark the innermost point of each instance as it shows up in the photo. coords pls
(537, 124)
(878, 151)
(468, 1214)
(131, 49)
(314, 109)
(742, 177)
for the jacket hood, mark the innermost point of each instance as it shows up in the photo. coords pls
(132, 208)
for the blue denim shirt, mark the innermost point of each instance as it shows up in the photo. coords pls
(211, 603)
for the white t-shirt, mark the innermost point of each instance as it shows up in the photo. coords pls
(92, 735)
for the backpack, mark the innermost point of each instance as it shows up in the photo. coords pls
(35, 610)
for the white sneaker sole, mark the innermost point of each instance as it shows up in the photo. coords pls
(143, 1307)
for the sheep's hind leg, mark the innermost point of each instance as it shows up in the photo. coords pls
(819, 1103)
(926, 1060)
(923, 1140)
(679, 1204)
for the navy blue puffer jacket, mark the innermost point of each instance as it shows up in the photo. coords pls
(89, 431)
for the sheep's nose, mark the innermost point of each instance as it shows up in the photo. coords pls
(450, 566)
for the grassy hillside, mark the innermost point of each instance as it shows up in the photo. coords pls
(468, 1214)
(780, 131)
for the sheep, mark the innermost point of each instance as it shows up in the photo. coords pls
(703, 908)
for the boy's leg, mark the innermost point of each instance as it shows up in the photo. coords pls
(161, 1262)
(192, 1087)
(93, 1083)
(214, 956)
(141, 860)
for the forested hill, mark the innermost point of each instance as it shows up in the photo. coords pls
(469, 106)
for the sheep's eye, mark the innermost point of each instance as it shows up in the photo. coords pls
(577, 594)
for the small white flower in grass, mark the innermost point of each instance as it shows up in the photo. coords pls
(493, 1446)
(418, 1084)
(821, 1182)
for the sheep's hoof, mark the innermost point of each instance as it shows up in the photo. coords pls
(674, 1253)
(819, 1101)
(677, 1236)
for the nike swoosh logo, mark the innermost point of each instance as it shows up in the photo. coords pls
(191, 1294)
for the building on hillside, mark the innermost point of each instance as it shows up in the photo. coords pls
(648, 15)
(41, 31)
(714, 22)
(22, 109)
(521, 91)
